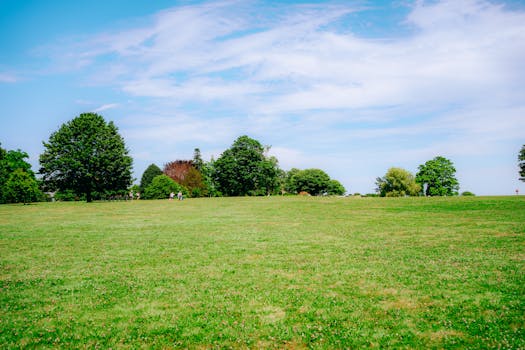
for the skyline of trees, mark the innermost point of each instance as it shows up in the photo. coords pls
(87, 156)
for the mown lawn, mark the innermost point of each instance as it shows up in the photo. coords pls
(264, 273)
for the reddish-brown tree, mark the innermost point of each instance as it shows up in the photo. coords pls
(178, 170)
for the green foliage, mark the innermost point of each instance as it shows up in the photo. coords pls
(194, 182)
(437, 177)
(244, 169)
(148, 175)
(67, 196)
(289, 180)
(521, 163)
(16, 160)
(335, 188)
(16, 175)
(161, 186)
(21, 187)
(197, 161)
(135, 189)
(207, 173)
(314, 181)
(467, 193)
(397, 182)
(86, 155)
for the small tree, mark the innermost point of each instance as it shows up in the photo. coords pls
(21, 187)
(197, 161)
(313, 181)
(207, 172)
(244, 169)
(149, 174)
(10, 162)
(194, 183)
(161, 186)
(397, 182)
(521, 163)
(437, 177)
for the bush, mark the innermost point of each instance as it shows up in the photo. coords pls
(67, 196)
(21, 187)
(161, 186)
(467, 193)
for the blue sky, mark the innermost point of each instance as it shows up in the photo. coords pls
(351, 87)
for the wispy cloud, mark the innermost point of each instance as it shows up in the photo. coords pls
(459, 51)
(7, 77)
(300, 76)
(105, 107)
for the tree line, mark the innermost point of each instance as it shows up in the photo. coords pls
(86, 158)
(244, 169)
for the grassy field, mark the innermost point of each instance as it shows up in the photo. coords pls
(264, 273)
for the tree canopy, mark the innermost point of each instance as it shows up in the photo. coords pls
(437, 177)
(521, 163)
(86, 155)
(312, 181)
(148, 176)
(17, 181)
(21, 187)
(244, 169)
(397, 182)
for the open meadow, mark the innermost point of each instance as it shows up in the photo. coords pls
(266, 272)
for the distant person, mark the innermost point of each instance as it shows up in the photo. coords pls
(131, 195)
(171, 196)
(179, 196)
(138, 195)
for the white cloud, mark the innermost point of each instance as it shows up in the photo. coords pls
(105, 107)
(7, 77)
(298, 77)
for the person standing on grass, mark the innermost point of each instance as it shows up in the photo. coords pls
(171, 196)
(179, 196)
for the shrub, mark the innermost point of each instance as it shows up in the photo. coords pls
(66, 196)
(467, 193)
(161, 186)
(21, 187)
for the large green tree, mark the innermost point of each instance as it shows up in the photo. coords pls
(521, 163)
(397, 182)
(437, 177)
(244, 169)
(86, 155)
(149, 174)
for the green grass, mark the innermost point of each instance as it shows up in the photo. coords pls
(264, 273)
